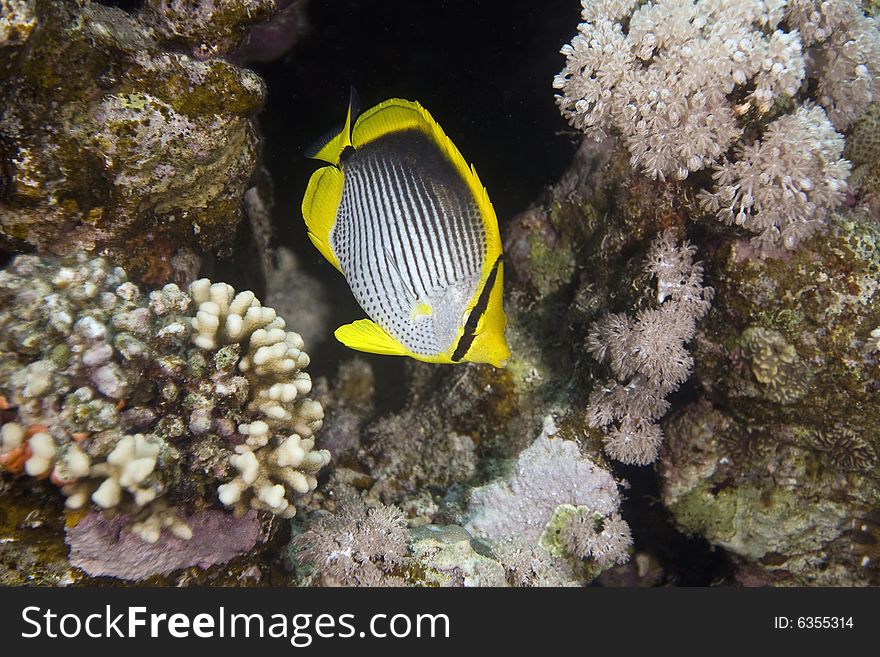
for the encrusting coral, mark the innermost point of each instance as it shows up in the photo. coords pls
(143, 404)
(647, 353)
(683, 82)
(552, 484)
(778, 460)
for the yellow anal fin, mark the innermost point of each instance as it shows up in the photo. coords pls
(319, 208)
(366, 335)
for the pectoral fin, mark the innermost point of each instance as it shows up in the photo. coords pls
(366, 335)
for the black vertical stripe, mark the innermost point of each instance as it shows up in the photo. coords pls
(420, 216)
(460, 251)
(425, 258)
(395, 235)
(373, 226)
(446, 220)
(433, 226)
(470, 327)
(387, 228)
(414, 240)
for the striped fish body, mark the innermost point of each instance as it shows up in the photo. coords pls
(407, 222)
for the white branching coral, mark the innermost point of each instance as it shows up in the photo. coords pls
(274, 361)
(647, 353)
(122, 477)
(272, 465)
(274, 474)
(782, 185)
(675, 79)
(127, 469)
(132, 404)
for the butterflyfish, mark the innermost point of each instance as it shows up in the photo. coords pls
(404, 218)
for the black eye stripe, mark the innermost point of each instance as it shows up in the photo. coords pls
(470, 327)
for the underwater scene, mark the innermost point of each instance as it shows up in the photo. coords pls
(440, 293)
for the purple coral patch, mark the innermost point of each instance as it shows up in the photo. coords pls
(106, 547)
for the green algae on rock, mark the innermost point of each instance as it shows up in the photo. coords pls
(779, 462)
(111, 142)
(207, 27)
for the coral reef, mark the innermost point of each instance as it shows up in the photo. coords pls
(357, 546)
(846, 47)
(778, 461)
(143, 405)
(109, 141)
(647, 354)
(631, 70)
(782, 185)
(207, 27)
(169, 436)
(361, 546)
(549, 473)
(863, 149)
(586, 534)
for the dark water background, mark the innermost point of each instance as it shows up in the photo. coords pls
(484, 70)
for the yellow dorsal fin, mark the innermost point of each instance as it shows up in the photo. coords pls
(319, 207)
(366, 335)
(332, 150)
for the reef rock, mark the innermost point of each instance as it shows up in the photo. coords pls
(779, 462)
(107, 547)
(110, 141)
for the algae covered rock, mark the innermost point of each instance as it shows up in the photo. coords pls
(778, 462)
(207, 27)
(109, 141)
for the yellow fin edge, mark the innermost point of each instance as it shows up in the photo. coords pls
(332, 150)
(396, 115)
(319, 207)
(490, 344)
